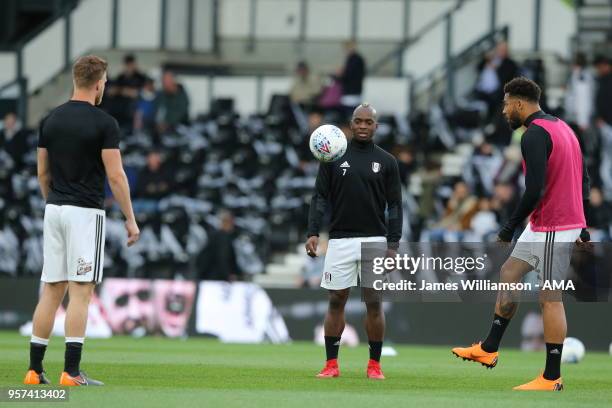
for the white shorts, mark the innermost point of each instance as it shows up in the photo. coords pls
(549, 253)
(73, 244)
(342, 267)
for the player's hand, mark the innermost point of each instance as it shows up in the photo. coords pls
(391, 253)
(311, 246)
(133, 232)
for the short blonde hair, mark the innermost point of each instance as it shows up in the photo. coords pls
(88, 70)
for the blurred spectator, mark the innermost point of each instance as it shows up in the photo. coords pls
(405, 162)
(483, 226)
(460, 209)
(603, 112)
(351, 76)
(218, 261)
(600, 215)
(485, 165)
(488, 87)
(507, 68)
(130, 80)
(306, 87)
(532, 332)
(155, 181)
(504, 202)
(124, 91)
(172, 103)
(145, 107)
(13, 139)
(579, 94)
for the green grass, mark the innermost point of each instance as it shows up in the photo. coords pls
(158, 372)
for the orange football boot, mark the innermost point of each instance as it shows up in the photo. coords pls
(330, 370)
(374, 371)
(33, 378)
(541, 384)
(80, 380)
(477, 354)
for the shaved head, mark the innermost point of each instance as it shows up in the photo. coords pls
(363, 108)
(364, 123)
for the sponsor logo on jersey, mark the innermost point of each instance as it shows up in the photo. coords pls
(327, 277)
(345, 165)
(83, 267)
(375, 167)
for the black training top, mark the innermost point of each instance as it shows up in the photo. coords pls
(536, 146)
(359, 186)
(74, 134)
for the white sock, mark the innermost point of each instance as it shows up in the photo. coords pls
(39, 340)
(75, 340)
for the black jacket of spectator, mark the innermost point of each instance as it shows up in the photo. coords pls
(353, 75)
(17, 146)
(507, 70)
(218, 261)
(154, 185)
(603, 99)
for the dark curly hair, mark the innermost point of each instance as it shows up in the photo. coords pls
(523, 88)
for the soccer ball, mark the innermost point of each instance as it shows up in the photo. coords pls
(573, 350)
(327, 143)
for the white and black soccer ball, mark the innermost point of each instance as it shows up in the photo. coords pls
(327, 143)
(573, 350)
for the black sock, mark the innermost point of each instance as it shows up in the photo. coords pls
(553, 361)
(332, 345)
(375, 350)
(72, 358)
(498, 327)
(37, 353)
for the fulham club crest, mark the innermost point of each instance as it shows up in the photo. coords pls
(375, 167)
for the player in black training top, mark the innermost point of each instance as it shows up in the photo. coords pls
(358, 187)
(78, 147)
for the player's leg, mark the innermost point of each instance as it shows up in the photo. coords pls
(54, 280)
(507, 302)
(42, 324)
(375, 329)
(556, 261)
(85, 257)
(76, 322)
(486, 352)
(333, 327)
(555, 330)
(339, 275)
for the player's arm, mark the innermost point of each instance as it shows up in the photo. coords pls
(318, 206)
(42, 162)
(393, 197)
(113, 166)
(44, 174)
(536, 146)
(121, 190)
(585, 236)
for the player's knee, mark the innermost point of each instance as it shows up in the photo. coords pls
(80, 292)
(337, 299)
(551, 301)
(506, 271)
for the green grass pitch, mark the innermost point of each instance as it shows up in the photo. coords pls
(159, 372)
